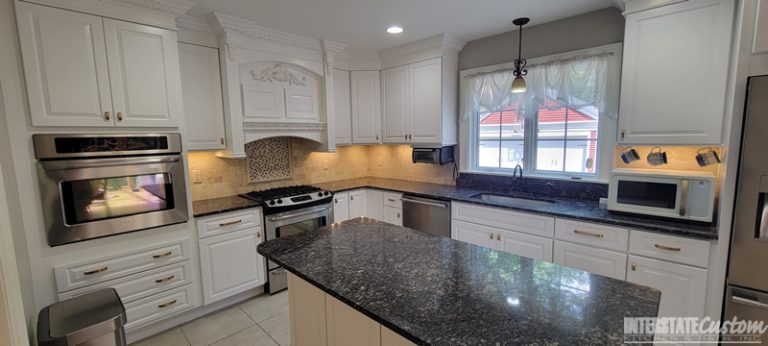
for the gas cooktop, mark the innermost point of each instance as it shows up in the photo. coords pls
(289, 198)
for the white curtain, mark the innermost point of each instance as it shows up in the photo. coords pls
(578, 82)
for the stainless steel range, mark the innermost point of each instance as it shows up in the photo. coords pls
(287, 211)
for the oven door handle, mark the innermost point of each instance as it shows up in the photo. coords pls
(285, 217)
(76, 164)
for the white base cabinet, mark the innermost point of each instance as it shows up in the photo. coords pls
(683, 288)
(375, 200)
(358, 204)
(512, 242)
(603, 262)
(228, 258)
(340, 206)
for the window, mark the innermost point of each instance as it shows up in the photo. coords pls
(558, 128)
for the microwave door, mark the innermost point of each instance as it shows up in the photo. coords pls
(654, 196)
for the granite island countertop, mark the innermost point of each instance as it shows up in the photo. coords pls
(438, 291)
(569, 208)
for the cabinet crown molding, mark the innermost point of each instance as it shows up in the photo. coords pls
(441, 45)
(228, 24)
(173, 8)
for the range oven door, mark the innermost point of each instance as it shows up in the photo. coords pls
(290, 223)
(91, 198)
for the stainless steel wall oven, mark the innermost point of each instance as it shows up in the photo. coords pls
(94, 186)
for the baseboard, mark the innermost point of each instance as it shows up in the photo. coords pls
(150, 330)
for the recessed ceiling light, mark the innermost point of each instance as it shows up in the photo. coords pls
(394, 29)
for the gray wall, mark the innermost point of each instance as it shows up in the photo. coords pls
(587, 30)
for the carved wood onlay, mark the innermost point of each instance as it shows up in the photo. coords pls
(280, 126)
(278, 73)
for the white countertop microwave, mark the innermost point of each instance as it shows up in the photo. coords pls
(674, 194)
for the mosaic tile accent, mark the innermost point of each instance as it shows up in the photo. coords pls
(269, 159)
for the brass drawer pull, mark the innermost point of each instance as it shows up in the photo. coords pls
(498, 237)
(668, 248)
(165, 279)
(391, 199)
(163, 255)
(230, 223)
(96, 271)
(634, 266)
(591, 234)
(165, 305)
(491, 236)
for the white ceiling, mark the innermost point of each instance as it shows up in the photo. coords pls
(361, 23)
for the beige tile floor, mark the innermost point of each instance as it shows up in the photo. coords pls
(262, 320)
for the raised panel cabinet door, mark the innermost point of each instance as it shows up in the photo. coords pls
(203, 104)
(144, 74)
(593, 260)
(474, 233)
(341, 207)
(230, 264)
(673, 85)
(65, 67)
(525, 245)
(346, 326)
(342, 107)
(683, 288)
(426, 101)
(394, 108)
(366, 107)
(358, 204)
(306, 304)
(375, 200)
(393, 215)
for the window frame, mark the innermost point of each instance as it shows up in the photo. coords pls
(607, 127)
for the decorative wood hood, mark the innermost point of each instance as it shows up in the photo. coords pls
(274, 83)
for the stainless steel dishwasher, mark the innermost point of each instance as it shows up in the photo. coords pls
(427, 215)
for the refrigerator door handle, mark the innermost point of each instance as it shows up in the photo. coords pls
(749, 302)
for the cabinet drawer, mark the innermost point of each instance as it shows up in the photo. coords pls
(676, 249)
(392, 199)
(144, 284)
(69, 277)
(228, 222)
(525, 245)
(607, 237)
(586, 258)
(159, 306)
(504, 219)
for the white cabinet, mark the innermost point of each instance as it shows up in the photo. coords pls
(366, 107)
(512, 242)
(358, 204)
(375, 200)
(228, 258)
(342, 107)
(603, 262)
(203, 104)
(340, 206)
(674, 73)
(760, 41)
(683, 288)
(419, 103)
(83, 70)
(393, 215)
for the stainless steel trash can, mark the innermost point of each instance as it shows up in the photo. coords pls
(93, 319)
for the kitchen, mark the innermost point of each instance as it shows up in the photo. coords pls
(200, 157)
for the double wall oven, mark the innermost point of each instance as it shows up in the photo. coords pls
(94, 186)
(288, 211)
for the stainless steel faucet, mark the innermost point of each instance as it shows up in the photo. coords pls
(514, 172)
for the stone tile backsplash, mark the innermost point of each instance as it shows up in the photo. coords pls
(213, 177)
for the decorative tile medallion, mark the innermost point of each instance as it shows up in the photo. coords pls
(269, 159)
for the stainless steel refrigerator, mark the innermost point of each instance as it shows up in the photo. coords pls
(747, 293)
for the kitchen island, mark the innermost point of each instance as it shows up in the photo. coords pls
(438, 291)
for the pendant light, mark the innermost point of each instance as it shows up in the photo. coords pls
(518, 84)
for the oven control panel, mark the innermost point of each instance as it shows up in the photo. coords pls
(299, 200)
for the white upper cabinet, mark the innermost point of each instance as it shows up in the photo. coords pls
(201, 87)
(342, 107)
(366, 107)
(143, 73)
(395, 112)
(65, 65)
(674, 73)
(419, 103)
(84, 70)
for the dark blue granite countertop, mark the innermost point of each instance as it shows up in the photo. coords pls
(570, 208)
(438, 291)
(221, 205)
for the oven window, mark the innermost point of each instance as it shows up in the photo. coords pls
(108, 198)
(656, 195)
(300, 227)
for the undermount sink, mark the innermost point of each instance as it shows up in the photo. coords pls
(515, 201)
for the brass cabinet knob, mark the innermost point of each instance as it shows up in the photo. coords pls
(107, 116)
(119, 116)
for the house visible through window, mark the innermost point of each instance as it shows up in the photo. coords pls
(553, 129)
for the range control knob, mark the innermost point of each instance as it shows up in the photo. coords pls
(320, 194)
(272, 202)
(327, 193)
(279, 201)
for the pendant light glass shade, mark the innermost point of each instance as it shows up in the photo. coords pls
(518, 85)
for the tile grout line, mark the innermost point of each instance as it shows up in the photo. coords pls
(268, 335)
(184, 335)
